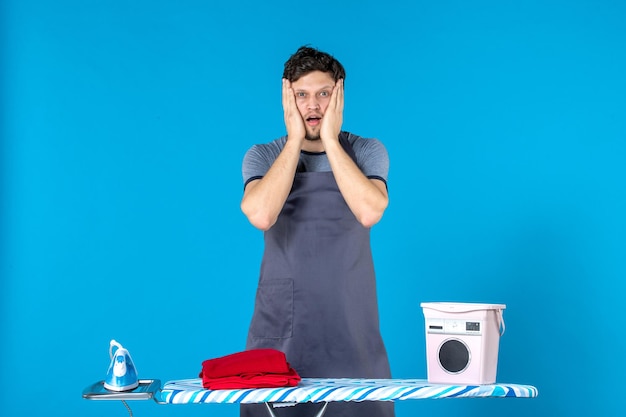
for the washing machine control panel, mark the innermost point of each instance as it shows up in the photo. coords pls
(453, 326)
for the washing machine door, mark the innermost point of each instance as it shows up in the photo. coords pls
(454, 356)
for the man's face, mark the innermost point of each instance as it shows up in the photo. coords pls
(313, 93)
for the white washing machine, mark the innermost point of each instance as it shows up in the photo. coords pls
(462, 342)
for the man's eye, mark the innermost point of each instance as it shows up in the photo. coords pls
(324, 94)
(300, 94)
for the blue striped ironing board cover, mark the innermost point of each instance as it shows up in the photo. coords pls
(318, 390)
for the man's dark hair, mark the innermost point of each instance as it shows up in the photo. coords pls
(307, 59)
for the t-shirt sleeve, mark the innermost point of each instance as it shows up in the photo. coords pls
(372, 158)
(254, 165)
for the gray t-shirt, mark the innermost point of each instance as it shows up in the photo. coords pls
(371, 158)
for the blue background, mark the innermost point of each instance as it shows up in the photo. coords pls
(124, 124)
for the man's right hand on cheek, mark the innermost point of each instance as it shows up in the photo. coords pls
(293, 118)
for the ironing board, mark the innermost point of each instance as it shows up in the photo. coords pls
(316, 390)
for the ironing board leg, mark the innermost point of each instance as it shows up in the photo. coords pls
(269, 410)
(322, 411)
(319, 413)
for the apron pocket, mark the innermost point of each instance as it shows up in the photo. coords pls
(273, 309)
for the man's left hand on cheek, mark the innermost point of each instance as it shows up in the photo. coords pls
(333, 117)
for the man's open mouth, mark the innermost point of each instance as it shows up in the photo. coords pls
(313, 120)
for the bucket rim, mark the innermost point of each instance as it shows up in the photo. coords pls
(454, 307)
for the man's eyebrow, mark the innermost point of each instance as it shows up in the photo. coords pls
(304, 90)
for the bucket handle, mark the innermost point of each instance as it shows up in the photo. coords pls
(116, 345)
(501, 325)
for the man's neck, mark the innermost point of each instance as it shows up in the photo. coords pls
(315, 145)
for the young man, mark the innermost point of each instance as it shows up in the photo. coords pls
(316, 192)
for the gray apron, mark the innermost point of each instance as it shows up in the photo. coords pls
(316, 298)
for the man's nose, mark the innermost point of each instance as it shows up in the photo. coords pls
(313, 103)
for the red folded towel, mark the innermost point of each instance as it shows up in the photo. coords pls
(255, 368)
(289, 379)
(248, 361)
